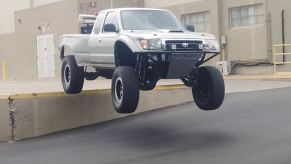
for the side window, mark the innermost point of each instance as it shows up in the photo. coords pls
(98, 23)
(111, 18)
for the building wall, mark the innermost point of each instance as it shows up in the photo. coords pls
(7, 10)
(244, 43)
(197, 6)
(22, 58)
(275, 9)
(37, 3)
(19, 49)
(7, 51)
(164, 3)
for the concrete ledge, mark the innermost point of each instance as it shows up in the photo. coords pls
(5, 126)
(39, 114)
(258, 77)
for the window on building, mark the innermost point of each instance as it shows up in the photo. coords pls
(246, 15)
(201, 21)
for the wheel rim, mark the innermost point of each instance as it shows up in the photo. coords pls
(67, 74)
(119, 90)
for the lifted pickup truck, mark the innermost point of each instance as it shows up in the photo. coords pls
(136, 47)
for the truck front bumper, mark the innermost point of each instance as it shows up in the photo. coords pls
(181, 63)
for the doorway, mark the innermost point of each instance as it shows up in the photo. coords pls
(45, 56)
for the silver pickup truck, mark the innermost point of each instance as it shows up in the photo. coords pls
(136, 47)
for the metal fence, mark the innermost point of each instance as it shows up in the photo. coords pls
(281, 51)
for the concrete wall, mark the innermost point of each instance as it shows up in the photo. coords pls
(5, 127)
(7, 52)
(8, 7)
(7, 10)
(40, 115)
(37, 3)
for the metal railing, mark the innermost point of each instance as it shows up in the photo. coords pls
(283, 55)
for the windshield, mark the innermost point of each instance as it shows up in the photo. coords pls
(149, 20)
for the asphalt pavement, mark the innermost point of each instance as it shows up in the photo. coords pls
(250, 128)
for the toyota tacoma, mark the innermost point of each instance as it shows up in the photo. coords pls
(136, 47)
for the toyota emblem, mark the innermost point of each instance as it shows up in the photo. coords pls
(185, 45)
(174, 46)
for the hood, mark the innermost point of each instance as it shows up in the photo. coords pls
(167, 34)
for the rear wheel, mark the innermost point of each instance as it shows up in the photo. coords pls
(125, 89)
(208, 90)
(72, 76)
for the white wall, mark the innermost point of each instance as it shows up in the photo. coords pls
(8, 7)
(43, 2)
(163, 3)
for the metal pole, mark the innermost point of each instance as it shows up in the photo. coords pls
(4, 71)
(274, 60)
(283, 34)
(31, 3)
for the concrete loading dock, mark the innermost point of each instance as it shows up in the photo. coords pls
(26, 115)
(34, 114)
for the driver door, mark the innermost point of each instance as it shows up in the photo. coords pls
(102, 44)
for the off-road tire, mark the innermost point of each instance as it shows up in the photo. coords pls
(125, 90)
(72, 76)
(209, 90)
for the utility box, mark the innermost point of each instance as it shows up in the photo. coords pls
(224, 67)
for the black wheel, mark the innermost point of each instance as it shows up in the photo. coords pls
(72, 76)
(209, 90)
(125, 89)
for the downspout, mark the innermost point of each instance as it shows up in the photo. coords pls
(283, 35)
(269, 31)
(31, 3)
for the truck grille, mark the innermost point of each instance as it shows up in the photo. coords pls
(182, 45)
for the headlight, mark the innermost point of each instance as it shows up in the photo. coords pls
(151, 44)
(211, 45)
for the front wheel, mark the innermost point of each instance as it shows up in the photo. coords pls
(209, 89)
(125, 89)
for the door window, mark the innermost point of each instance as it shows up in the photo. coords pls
(98, 23)
(111, 18)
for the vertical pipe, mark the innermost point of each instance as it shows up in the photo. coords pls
(274, 60)
(283, 34)
(4, 71)
(31, 3)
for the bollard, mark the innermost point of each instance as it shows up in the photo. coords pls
(4, 71)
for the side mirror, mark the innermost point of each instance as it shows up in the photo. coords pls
(109, 28)
(190, 28)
